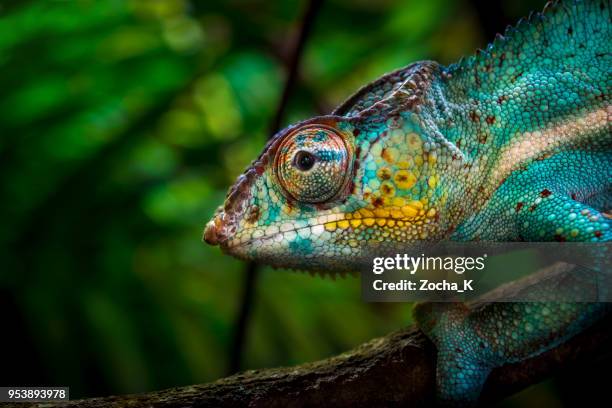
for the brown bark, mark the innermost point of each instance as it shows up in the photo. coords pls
(395, 370)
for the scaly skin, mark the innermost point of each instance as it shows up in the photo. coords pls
(511, 144)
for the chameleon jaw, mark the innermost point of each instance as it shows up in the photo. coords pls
(275, 246)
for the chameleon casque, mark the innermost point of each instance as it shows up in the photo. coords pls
(511, 144)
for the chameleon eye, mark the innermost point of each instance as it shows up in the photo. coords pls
(313, 163)
(304, 160)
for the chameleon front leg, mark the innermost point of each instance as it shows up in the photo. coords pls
(462, 368)
(473, 341)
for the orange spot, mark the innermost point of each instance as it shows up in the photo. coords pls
(389, 154)
(387, 189)
(404, 179)
(384, 173)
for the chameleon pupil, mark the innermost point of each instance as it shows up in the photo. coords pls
(304, 160)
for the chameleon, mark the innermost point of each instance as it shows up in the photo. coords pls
(510, 144)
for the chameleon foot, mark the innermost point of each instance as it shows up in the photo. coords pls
(462, 363)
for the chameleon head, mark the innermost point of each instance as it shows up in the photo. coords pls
(326, 195)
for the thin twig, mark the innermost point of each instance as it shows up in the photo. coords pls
(251, 269)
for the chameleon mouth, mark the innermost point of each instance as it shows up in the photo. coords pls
(309, 231)
(245, 243)
(272, 245)
(235, 244)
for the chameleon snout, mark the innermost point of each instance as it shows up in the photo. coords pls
(213, 232)
(210, 233)
(221, 228)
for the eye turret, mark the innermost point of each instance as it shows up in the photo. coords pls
(313, 164)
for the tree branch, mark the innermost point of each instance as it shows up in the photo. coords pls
(251, 268)
(394, 370)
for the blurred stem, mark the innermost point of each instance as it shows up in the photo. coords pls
(243, 317)
(294, 61)
(251, 269)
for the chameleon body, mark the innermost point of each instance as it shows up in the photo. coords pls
(511, 144)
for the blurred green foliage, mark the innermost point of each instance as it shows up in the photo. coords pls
(122, 123)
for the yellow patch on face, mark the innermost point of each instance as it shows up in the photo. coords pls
(390, 154)
(416, 204)
(381, 213)
(368, 222)
(330, 226)
(398, 202)
(387, 189)
(366, 213)
(431, 213)
(404, 179)
(384, 173)
(344, 224)
(381, 222)
(355, 223)
(397, 214)
(409, 211)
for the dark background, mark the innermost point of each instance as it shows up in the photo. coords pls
(122, 124)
